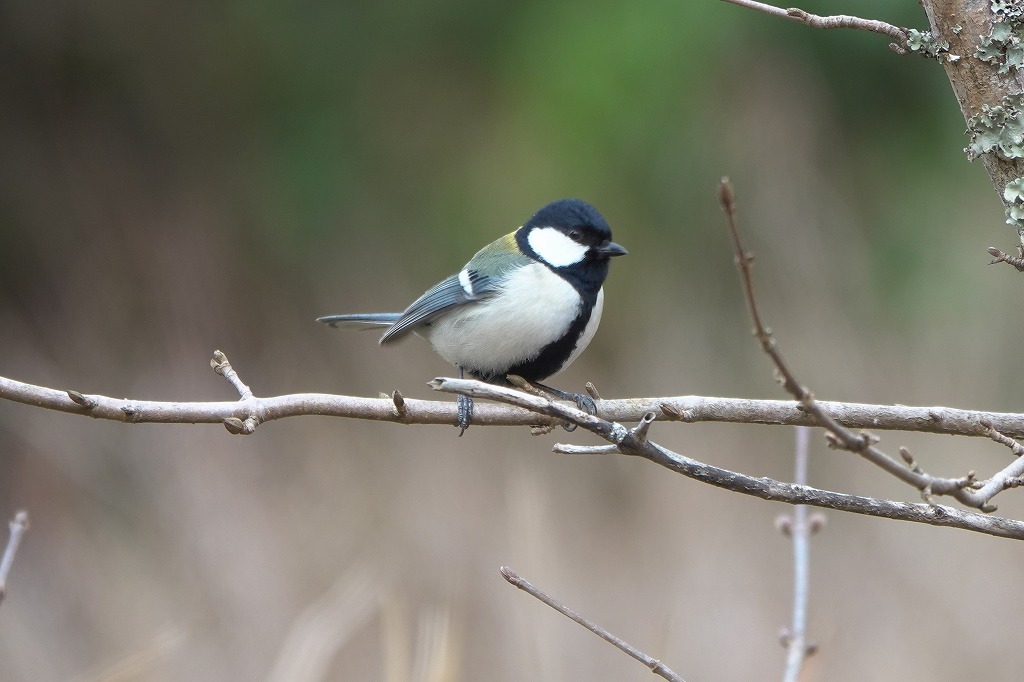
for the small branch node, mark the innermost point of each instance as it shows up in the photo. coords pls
(675, 414)
(640, 430)
(83, 400)
(239, 427)
(999, 256)
(816, 523)
(399, 409)
(671, 412)
(968, 481)
(222, 366)
(592, 391)
(542, 429)
(910, 461)
(869, 439)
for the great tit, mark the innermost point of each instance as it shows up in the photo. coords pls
(527, 304)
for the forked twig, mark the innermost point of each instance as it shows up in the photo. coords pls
(628, 443)
(838, 436)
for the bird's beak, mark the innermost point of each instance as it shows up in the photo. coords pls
(610, 249)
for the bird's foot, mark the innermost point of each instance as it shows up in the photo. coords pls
(465, 408)
(582, 401)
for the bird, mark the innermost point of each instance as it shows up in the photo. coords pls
(527, 304)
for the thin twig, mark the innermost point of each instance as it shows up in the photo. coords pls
(898, 34)
(795, 638)
(999, 256)
(221, 366)
(1010, 475)
(691, 409)
(656, 666)
(18, 526)
(839, 437)
(764, 488)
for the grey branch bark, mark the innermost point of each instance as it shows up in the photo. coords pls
(634, 442)
(689, 409)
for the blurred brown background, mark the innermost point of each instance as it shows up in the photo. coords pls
(181, 177)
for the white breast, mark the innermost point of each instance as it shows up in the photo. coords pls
(589, 330)
(534, 309)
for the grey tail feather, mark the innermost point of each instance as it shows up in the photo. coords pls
(361, 320)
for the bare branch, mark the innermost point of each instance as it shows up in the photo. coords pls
(898, 34)
(1010, 476)
(764, 488)
(800, 530)
(656, 666)
(18, 526)
(689, 409)
(838, 436)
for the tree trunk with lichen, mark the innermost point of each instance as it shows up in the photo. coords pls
(983, 54)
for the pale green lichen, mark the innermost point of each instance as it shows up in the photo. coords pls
(1013, 196)
(1013, 9)
(1004, 44)
(926, 44)
(998, 129)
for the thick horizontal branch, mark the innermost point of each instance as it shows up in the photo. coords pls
(690, 409)
(635, 442)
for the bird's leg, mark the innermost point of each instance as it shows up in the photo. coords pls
(465, 407)
(584, 402)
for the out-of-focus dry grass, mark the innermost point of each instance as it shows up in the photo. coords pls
(158, 201)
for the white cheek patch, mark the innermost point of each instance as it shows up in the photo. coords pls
(555, 248)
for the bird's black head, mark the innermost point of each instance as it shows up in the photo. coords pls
(566, 233)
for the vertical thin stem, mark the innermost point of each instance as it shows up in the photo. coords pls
(18, 526)
(796, 641)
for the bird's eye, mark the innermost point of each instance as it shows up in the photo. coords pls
(574, 235)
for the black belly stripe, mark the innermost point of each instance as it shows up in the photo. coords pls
(550, 359)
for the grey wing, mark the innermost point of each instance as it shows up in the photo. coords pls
(444, 296)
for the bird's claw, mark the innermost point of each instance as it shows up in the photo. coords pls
(584, 402)
(465, 408)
